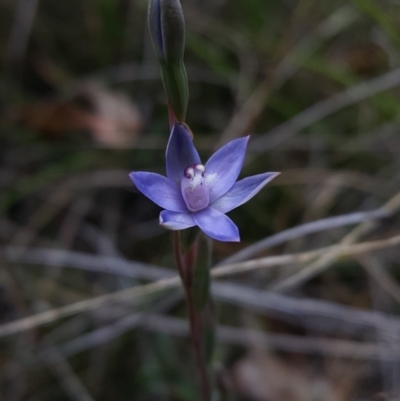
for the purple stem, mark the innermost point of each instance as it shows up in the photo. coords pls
(185, 265)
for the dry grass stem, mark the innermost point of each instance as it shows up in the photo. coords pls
(391, 207)
(131, 294)
(230, 335)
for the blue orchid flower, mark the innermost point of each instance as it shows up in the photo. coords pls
(196, 194)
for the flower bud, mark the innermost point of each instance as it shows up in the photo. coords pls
(167, 30)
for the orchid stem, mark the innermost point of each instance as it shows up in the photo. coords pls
(184, 265)
(171, 116)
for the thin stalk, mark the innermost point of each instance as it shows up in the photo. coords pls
(176, 246)
(184, 265)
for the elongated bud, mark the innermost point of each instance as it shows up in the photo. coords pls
(167, 30)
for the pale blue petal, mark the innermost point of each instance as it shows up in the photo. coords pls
(223, 167)
(181, 153)
(242, 191)
(216, 225)
(160, 190)
(176, 221)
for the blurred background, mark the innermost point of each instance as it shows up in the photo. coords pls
(315, 83)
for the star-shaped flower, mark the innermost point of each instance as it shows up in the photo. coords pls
(196, 194)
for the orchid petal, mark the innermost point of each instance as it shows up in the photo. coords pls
(181, 153)
(216, 225)
(223, 167)
(160, 190)
(176, 221)
(242, 191)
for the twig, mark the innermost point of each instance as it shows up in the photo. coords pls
(284, 342)
(302, 230)
(326, 260)
(113, 265)
(231, 335)
(317, 315)
(52, 315)
(339, 250)
(79, 260)
(131, 294)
